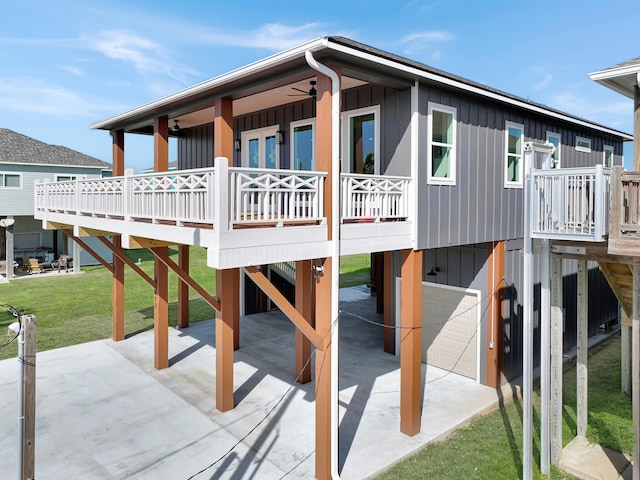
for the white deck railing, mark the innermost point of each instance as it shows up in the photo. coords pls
(374, 197)
(571, 203)
(267, 195)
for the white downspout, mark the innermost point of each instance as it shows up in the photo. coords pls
(335, 249)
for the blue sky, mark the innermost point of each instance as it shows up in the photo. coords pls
(69, 63)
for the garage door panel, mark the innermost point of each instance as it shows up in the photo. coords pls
(450, 323)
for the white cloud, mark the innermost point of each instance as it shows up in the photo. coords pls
(425, 43)
(272, 36)
(74, 70)
(36, 96)
(547, 78)
(146, 56)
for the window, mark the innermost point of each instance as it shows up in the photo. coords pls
(583, 144)
(10, 180)
(607, 160)
(441, 131)
(303, 145)
(514, 139)
(260, 148)
(65, 178)
(362, 137)
(554, 138)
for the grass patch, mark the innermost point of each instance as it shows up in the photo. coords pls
(491, 446)
(73, 309)
(355, 270)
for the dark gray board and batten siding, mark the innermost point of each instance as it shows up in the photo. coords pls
(478, 208)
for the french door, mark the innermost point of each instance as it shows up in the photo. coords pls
(260, 148)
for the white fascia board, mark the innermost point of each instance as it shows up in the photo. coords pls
(218, 81)
(608, 79)
(471, 88)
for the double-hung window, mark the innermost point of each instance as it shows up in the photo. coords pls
(10, 180)
(607, 160)
(554, 139)
(441, 131)
(514, 141)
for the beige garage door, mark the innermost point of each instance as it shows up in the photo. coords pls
(450, 318)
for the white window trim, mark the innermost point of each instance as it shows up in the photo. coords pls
(583, 149)
(302, 123)
(607, 148)
(19, 174)
(508, 184)
(75, 177)
(559, 152)
(431, 180)
(345, 119)
(261, 133)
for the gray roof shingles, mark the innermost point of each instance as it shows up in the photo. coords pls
(18, 148)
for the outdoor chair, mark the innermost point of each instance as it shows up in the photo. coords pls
(34, 266)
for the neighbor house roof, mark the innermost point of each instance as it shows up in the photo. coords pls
(20, 149)
(622, 78)
(346, 52)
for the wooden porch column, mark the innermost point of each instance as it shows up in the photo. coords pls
(323, 283)
(625, 353)
(636, 131)
(223, 147)
(583, 349)
(411, 342)
(555, 436)
(161, 272)
(228, 287)
(495, 329)
(183, 287)
(117, 314)
(635, 368)
(304, 305)
(387, 292)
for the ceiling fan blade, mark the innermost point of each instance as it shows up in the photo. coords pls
(300, 90)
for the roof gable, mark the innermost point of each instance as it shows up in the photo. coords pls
(18, 148)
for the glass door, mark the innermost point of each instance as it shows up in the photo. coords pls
(361, 141)
(260, 149)
(303, 145)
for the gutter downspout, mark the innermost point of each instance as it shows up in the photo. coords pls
(335, 249)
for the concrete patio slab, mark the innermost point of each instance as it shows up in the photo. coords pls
(103, 411)
(590, 461)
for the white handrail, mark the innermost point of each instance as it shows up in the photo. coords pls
(571, 203)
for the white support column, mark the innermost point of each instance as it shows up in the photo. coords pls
(635, 370)
(545, 355)
(583, 349)
(557, 322)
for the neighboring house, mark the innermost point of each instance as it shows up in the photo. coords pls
(172, 166)
(24, 161)
(430, 173)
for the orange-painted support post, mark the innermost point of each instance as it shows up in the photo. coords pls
(223, 147)
(411, 342)
(304, 289)
(387, 289)
(228, 287)
(495, 328)
(323, 373)
(117, 315)
(323, 283)
(161, 293)
(183, 288)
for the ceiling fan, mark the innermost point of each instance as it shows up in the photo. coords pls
(303, 93)
(175, 128)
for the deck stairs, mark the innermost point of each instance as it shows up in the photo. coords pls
(620, 278)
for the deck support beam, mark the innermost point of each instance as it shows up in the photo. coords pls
(583, 349)
(228, 287)
(304, 305)
(557, 322)
(183, 287)
(494, 315)
(387, 292)
(161, 272)
(117, 286)
(625, 353)
(635, 370)
(411, 342)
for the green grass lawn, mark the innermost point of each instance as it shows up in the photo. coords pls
(72, 309)
(490, 448)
